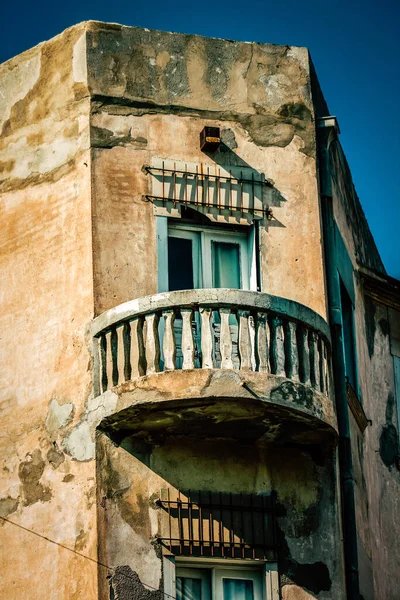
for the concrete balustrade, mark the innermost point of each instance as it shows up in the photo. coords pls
(211, 329)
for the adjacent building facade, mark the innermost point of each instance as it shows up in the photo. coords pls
(200, 345)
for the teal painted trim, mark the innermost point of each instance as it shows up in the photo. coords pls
(344, 264)
(396, 365)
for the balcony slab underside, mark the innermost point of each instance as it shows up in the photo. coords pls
(209, 403)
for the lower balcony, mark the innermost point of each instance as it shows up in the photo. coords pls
(215, 362)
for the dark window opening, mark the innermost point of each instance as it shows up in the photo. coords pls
(180, 264)
(348, 337)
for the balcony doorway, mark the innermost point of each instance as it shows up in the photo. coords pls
(193, 254)
(207, 258)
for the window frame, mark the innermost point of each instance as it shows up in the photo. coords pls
(267, 571)
(208, 234)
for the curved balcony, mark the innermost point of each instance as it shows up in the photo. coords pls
(213, 360)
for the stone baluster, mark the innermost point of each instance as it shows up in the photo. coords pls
(187, 338)
(327, 370)
(277, 347)
(169, 340)
(261, 343)
(225, 339)
(120, 354)
(304, 352)
(206, 338)
(138, 349)
(109, 360)
(244, 340)
(292, 353)
(152, 343)
(321, 354)
(96, 366)
(103, 362)
(126, 340)
(314, 359)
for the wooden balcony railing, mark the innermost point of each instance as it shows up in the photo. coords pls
(211, 329)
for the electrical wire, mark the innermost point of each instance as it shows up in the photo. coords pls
(112, 569)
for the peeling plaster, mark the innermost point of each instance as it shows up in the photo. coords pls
(80, 443)
(126, 547)
(30, 472)
(58, 416)
(16, 84)
(79, 63)
(7, 506)
(294, 592)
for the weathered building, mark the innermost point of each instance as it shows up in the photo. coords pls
(200, 345)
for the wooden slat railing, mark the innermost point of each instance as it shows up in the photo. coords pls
(211, 328)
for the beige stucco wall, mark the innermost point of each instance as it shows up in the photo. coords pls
(46, 305)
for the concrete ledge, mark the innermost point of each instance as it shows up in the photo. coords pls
(221, 403)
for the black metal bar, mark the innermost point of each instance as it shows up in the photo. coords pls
(190, 524)
(208, 187)
(252, 527)
(173, 194)
(231, 534)
(252, 189)
(180, 525)
(211, 529)
(237, 179)
(246, 508)
(241, 193)
(260, 211)
(169, 522)
(242, 523)
(263, 522)
(221, 527)
(235, 544)
(215, 505)
(201, 537)
(197, 185)
(185, 180)
(163, 181)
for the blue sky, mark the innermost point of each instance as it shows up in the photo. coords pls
(354, 46)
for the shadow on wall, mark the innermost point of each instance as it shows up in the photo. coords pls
(235, 511)
(226, 158)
